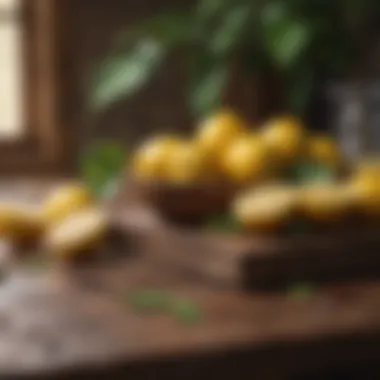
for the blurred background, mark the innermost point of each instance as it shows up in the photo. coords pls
(147, 65)
(73, 72)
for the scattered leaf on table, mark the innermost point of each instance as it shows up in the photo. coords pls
(301, 291)
(298, 227)
(37, 262)
(150, 301)
(186, 312)
(223, 222)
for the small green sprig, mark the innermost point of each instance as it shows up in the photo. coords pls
(153, 301)
(301, 291)
(223, 222)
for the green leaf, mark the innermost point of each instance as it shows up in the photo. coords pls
(301, 291)
(150, 301)
(186, 312)
(102, 165)
(126, 72)
(313, 172)
(153, 301)
(209, 79)
(298, 227)
(289, 43)
(274, 13)
(231, 29)
(286, 37)
(301, 86)
(37, 262)
(224, 222)
(171, 29)
(207, 9)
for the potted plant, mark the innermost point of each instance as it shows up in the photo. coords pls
(302, 44)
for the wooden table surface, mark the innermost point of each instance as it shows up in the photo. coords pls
(57, 321)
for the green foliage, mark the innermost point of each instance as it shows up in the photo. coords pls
(208, 78)
(154, 301)
(230, 30)
(101, 167)
(186, 312)
(225, 222)
(150, 301)
(125, 73)
(299, 85)
(38, 262)
(312, 172)
(296, 37)
(286, 36)
(301, 291)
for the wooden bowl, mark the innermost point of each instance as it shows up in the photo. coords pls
(185, 204)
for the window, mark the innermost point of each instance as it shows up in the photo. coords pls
(33, 137)
(11, 109)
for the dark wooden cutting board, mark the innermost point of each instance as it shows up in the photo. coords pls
(237, 260)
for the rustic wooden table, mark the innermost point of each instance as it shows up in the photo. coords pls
(56, 322)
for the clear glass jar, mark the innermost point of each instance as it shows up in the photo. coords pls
(356, 119)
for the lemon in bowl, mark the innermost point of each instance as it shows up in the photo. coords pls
(324, 150)
(285, 136)
(191, 189)
(247, 160)
(217, 132)
(151, 159)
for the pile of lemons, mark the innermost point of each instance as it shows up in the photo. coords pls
(224, 148)
(67, 223)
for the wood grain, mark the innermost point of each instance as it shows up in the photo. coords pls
(61, 321)
(243, 260)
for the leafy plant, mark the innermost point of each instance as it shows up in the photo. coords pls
(101, 167)
(297, 38)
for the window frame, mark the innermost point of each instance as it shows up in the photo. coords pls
(48, 144)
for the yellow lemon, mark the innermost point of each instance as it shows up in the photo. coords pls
(152, 158)
(217, 132)
(325, 202)
(367, 192)
(189, 164)
(246, 159)
(20, 222)
(80, 232)
(367, 169)
(324, 150)
(65, 200)
(265, 209)
(285, 137)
